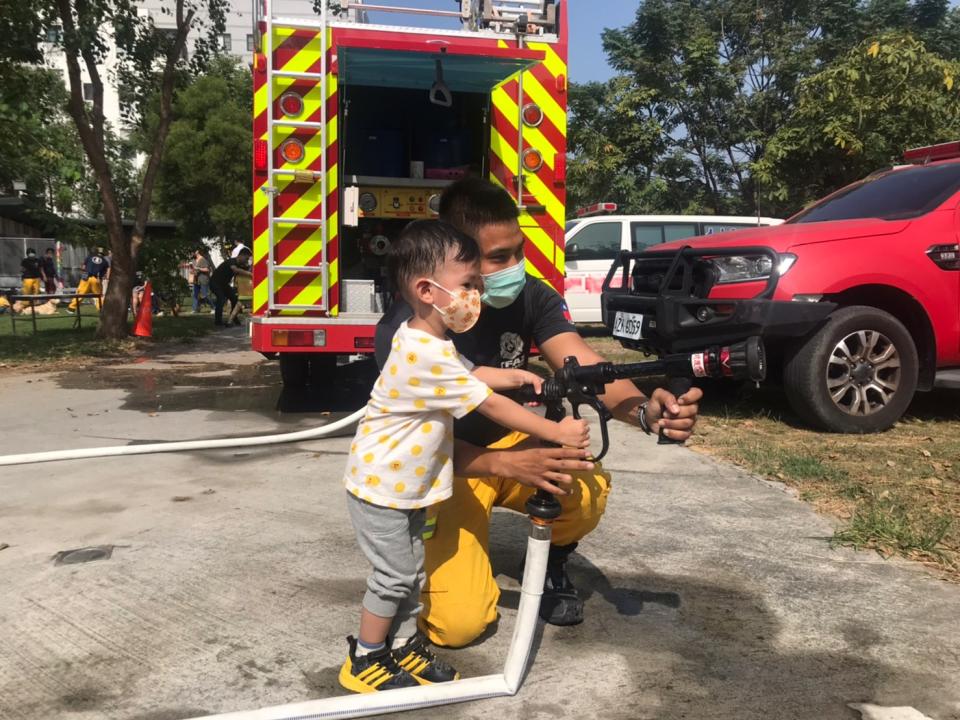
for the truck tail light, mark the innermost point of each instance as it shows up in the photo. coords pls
(260, 155)
(299, 338)
(946, 257)
(364, 342)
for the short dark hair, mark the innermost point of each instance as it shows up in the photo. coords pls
(49, 250)
(473, 202)
(423, 246)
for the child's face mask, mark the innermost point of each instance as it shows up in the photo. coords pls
(463, 310)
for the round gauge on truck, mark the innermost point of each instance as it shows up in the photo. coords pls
(434, 203)
(367, 202)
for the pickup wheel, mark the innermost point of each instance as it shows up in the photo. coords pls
(857, 374)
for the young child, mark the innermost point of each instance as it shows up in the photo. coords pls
(401, 458)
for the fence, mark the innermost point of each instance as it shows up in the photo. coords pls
(14, 249)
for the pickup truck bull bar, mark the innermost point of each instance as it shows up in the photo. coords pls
(671, 293)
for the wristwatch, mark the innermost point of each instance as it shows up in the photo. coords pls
(642, 417)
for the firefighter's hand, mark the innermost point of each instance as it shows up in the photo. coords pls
(676, 416)
(546, 468)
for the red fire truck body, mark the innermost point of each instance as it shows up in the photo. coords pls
(358, 127)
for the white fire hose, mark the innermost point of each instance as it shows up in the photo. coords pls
(424, 696)
(184, 446)
(360, 705)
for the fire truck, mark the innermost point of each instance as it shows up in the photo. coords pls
(358, 127)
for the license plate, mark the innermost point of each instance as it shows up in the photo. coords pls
(628, 326)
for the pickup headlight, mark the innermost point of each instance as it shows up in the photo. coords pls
(746, 268)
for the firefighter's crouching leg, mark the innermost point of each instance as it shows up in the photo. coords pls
(460, 596)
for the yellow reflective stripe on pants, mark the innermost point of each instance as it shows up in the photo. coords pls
(429, 528)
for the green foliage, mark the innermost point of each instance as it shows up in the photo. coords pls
(204, 180)
(704, 86)
(859, 115)
(160, 262)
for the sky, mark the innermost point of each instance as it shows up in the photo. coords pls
(587, 20)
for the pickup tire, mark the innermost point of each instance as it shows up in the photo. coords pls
(856, 374)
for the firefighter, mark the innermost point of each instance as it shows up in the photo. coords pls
(220, 285)
(31, 272)
(51, 278)
(95, 269)
(499, 469)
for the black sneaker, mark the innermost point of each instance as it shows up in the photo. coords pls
(417, 659)
(560, 604)
(373, 671)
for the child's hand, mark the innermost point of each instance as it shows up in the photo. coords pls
(572, 433)
(525, 377)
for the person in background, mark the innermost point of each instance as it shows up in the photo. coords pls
(95, 269)
(238, 248)
(51, 278)
(202, 268)
(220, 284)
(31, 273)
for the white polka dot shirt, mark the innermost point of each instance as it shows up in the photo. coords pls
(402, 454)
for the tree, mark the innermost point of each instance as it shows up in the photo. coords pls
(716, 79)
(150, 61)
(204, 180)
(860, 114)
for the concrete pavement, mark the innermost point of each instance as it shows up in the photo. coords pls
(234, 575)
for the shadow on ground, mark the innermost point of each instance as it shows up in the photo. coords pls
(697, 648)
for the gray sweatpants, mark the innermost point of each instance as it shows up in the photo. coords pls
(392, 541)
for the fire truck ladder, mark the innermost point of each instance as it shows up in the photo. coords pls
(265, 17)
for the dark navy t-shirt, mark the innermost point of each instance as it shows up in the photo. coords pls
(501, 338)
(95, 266)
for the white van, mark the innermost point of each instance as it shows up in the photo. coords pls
(592, 244)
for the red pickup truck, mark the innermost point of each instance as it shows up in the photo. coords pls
(857, 297)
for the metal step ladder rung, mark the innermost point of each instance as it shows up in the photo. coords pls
(298, 75)
(298, 124)
(318, 269)
(298, 221)
(289, 306)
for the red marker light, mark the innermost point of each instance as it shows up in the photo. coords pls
(532, 115)
(291, 104)
(260, 155)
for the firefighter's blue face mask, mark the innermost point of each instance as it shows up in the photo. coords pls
(503, 287)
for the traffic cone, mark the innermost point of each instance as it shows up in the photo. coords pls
(143, 325)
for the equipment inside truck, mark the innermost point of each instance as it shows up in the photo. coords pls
(412, 123)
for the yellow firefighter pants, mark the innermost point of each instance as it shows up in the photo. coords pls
(31, 286)
(460, 595)
(90, 285)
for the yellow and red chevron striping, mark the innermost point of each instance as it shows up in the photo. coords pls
(545, 85)
(297, 50)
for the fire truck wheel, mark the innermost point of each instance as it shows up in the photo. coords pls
(298, 370)
(294, 370)
(856, 374)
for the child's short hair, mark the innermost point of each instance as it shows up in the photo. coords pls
(423, 246)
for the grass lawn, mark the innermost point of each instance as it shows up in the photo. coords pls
(56, 339)
(896, 492)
